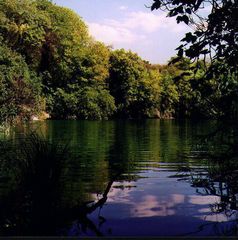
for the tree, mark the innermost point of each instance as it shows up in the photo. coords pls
(76, 67)
(56, 46)
(23, 28)
(19, 88)
(135, 87)
(84, 103)
(215, 34)
(214, 38)
(65, 44)
(84, 94)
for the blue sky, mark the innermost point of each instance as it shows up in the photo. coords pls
(129, 24)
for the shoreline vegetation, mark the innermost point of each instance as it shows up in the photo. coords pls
(50, 67)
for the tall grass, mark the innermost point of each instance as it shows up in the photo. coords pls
(32, 159)
(31, 167)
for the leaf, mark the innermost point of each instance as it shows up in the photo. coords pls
(185, 74)
(188, 10)
(205, 51)
(180, 52)
(176, 79)
(198, 33)
(172, 13)
(156, 5)
(183, 18)
(180, 9)
(189, 38)
(174, 60)
(186, 19)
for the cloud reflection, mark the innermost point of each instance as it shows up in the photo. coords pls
(203, 200)
(151, 206)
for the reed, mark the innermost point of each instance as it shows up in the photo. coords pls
(32, 159)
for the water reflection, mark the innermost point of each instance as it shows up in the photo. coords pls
(128, 179)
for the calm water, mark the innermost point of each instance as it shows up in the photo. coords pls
(129, 178)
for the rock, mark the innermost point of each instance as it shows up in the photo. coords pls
(34, 118)
(41, 117)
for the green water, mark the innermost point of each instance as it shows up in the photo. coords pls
(139, 163)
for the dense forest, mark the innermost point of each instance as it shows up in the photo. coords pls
(51, 67)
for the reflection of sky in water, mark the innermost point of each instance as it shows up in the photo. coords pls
(151, 151)
(160, 201)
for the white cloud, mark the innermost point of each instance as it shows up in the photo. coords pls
(151, 35)
(113, 35)
(123, 8)
(133, 27)
(150, 22)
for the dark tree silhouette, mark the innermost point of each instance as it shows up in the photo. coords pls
(214, 38)
(214, 31)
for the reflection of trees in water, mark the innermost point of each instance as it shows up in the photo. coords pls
(219, 151)
(35, 206)
(105, 149)
(83, 222)
(35, 209)
(34, 216)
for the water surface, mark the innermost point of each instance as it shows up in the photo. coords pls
(130, 178)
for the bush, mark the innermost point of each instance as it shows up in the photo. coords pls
(19, 87)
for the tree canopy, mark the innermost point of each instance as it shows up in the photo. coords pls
(135, 87)
(20, 88)
(49, 62)
(213, 38)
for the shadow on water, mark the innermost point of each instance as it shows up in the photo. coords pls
(135, 171)
(33, 207)
(219, 175)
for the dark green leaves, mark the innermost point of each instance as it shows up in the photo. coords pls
(189, 38)
(215, 30)
(156, 5)
(180, 52)
(183, 18)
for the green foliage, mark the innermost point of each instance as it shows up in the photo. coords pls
(86, 103)
(183, 78)
(77, 68)
(19, 87)
(215, 40)
(95, 104)
(33, 162)
(56, 46)
(169, 94)
(49, 62)
(135, 87)
(64, 46)
(187, 93)
(178, 95)
(23, 28)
